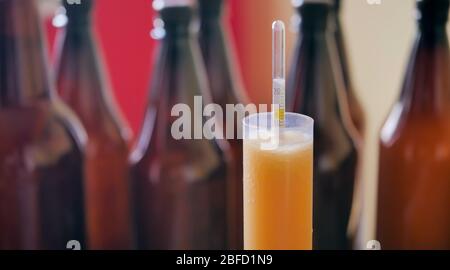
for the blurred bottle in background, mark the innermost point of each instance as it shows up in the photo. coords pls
(414, 173)
(356, 111)
(83, 86)
(179, 185)
(41, 161)
(314, 88)
(226, 88)
(357, 117)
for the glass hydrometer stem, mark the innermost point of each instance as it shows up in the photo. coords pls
(279, 72)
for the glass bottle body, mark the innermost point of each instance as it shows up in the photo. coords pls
(179, 183)
(41, 159)
(313, 86)
(82, 85)
(414, 173)
(226, 88)
(357, 114)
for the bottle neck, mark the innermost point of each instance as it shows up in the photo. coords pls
(210, 27)
(210, 15)
(78, 41)
(427, 86)
(314, 19)
(432, 34)
(334, 20)
(83, 22)
(79, 16)
(313, 26)
(176, 31)
(23, 64)
(210, 22)
(337, 6)
(177, 22)
(210, 9)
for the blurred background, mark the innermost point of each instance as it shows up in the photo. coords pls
(378, 36)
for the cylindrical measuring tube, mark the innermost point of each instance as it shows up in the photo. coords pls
(278, 180)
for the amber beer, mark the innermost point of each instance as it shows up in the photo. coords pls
(414, 173)
(278, 184)
(83, 86)
(41, 161)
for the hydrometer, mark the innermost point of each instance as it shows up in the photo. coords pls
(279, 73)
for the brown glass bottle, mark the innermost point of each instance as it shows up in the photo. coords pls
(313, 89)
(356, 113)
(354, 105)
(179, 184)
(414, 173)
(41, 162)
(226, 88)
(82, 85)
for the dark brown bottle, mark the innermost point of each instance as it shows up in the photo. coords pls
(414, 173)
(354, 105)
(179, 184)
(226, 88)
(313, 89)
(83, 86)
(356, 113)
(41, 162)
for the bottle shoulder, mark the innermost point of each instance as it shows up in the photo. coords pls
(46, 130)
(160, 139)
(83, 85)
(187, 159)
(402, 125)
(66, 118)
(225, 83)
